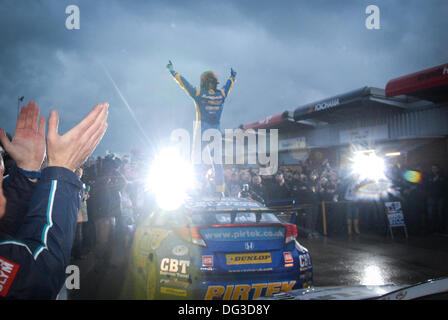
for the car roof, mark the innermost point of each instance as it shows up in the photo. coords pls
(224, 205)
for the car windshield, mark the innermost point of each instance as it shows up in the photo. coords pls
(212, 218)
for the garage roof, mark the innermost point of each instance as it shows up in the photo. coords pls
(363, 102)
(430, 84)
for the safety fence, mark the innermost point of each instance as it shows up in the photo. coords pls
(391, 210)
(291, 205)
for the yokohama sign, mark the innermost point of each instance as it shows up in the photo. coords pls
(324, 105)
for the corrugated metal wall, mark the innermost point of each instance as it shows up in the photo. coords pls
(411, 124)
(416, 124)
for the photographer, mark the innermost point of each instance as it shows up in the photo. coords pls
(258, 187)
(246, 193)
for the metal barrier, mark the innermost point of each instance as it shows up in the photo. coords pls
(291, 205)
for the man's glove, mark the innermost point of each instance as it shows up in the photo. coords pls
(170, 67)
(232, 73)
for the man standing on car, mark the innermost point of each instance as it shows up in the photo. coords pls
(209, 102)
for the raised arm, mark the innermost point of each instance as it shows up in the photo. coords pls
(27, 149)
(190, 89)
(32, 264)
(229, 84)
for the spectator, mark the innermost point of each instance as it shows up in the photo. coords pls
(127, 218)
(327, 190)
(234, 187)
(35, 267)
(304, 195)
(26, 151)
(352, 209)
(436, 191)
(279, 190)
(8, 161)
(245, 177)
(77, 251)
(258, 186)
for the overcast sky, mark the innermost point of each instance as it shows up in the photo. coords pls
(286, 53)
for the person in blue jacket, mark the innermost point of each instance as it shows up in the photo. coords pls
(19, 190)
(34, 260)
(209, 102)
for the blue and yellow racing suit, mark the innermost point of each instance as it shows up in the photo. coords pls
(209, 106)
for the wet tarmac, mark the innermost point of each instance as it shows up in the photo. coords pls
(370, 259)
(367, 259)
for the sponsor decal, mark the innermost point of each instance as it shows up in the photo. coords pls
(304, 261)
(401, 295)
(211, 97)
(249, 245)
(8, 271)
(245, 291)
(174, 267)
(248, 258)
(180, 250)
(243, 233)
(251, 270)
(175, 283)
(207, 269)
(207, 261)
(173, 291)
(324, 105)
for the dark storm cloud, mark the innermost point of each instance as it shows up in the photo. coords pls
(286, 53)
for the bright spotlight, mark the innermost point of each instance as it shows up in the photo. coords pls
(170, 177)
(368, 166)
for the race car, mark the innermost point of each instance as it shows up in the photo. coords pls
(432, 289)
(229, 248)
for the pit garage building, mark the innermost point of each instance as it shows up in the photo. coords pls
(407, 120)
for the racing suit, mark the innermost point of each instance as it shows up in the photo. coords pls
(209, 106)
(33, 263)
(18, 190)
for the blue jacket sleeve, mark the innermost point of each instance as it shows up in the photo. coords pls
(32, 264)
(228, 86)
(190, 89)
(18, 191)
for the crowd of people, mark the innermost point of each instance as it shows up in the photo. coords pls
(117, 197)
(309, 184)
(56, 206)
(114, 197)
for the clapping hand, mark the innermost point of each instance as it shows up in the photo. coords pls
(71, 149)
(27, 147)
